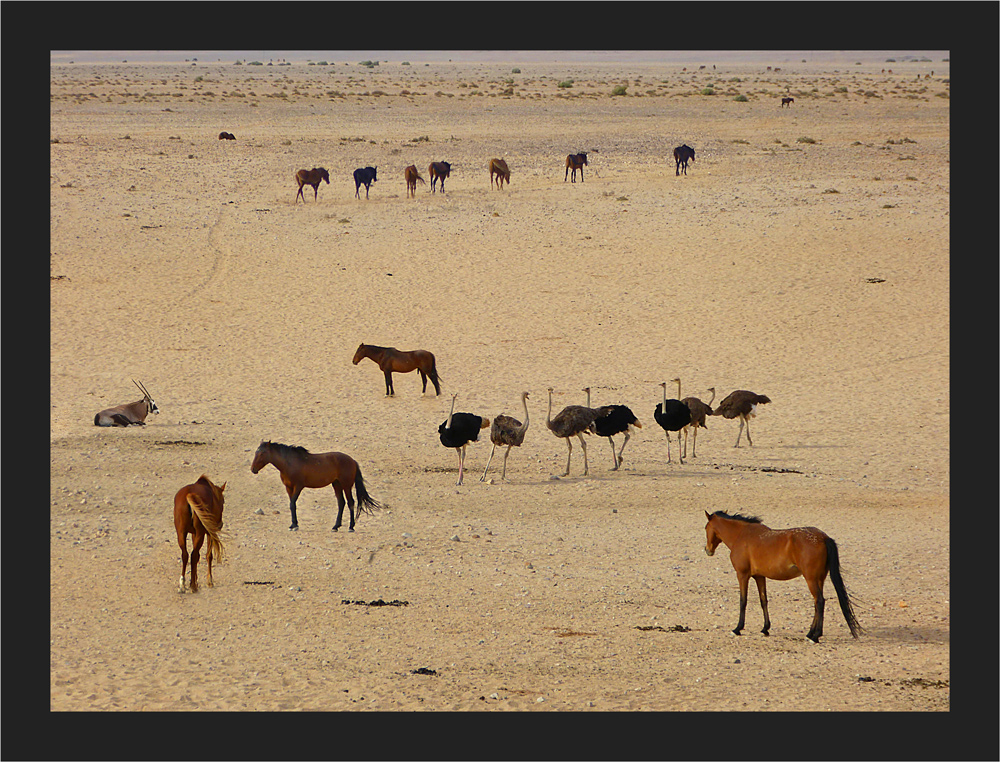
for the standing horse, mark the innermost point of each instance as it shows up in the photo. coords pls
(439, 170)
(575, 161)
(499, 171)
(300, 468)
(198, 512)
(412, 175)
(391, 360)
(758, 551)
(311, 177)
(681, 155)
(364, 176)
(787, 102)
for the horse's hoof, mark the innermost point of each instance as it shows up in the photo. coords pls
(335, 529)
(351, 529)
(294, 528)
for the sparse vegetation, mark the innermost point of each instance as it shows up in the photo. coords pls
(741, 98)
(566, 83)
(805, 139)
(619, 90)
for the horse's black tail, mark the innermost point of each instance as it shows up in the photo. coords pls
(833, 566)
(435, 378)
(366, 503)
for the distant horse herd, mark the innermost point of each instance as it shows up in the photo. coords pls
(755, 551)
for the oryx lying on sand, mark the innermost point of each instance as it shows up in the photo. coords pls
(128, 415)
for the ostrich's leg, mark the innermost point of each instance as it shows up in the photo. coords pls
(583, 444)
(490, 460)
(614, 458)
(739, 434)
(668, 447)
(748, 432)
(503, 476)
(569, 456)
(620, 458)
(461, 464)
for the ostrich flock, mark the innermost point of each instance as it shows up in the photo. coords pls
(685, 415)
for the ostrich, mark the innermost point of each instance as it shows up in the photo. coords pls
(458, 431)
(672, 415)
(743, 405)
(699, 411)
(611, 420)
(572, 421)
(507, 431)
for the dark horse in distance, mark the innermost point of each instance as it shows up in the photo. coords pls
(391, 360)
(364, 176)
(681, 155)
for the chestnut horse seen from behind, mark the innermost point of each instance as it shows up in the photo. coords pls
(499, 172)
(762, 553)
(575, 161)
(391, 360)
(300, 468)
(312, 177)
(412, 175)
(198, 512)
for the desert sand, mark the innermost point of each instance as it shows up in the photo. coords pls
(804, 256)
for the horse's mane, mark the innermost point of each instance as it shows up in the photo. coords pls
(287, 450)
(738, 517)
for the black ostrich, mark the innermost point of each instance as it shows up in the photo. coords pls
(672, 415)
(699, 411)
(743, 405)
(572, 421)
(506, 431)
(611, 420)
(458, 431)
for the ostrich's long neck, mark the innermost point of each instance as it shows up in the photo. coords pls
(664, 398)
(524, 401)
(450, 413)
(548, 417)
(587, 390)
(679, 389)
(713, 398)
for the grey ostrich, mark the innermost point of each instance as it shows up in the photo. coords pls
(699, 411)
(572, 421)
(611, 420)
(460, 429)
(743, 405)
(507, 431)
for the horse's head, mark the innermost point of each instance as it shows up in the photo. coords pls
(260, 458)
(325, 175)
(712, 538)
(374, 174)
(359, 355)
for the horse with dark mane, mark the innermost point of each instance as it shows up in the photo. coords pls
(412, 175)
(198, 512)
(575, 161)
(681, 155)
(364, 176)
(312, 177)
(439, 170)
(300, 468)
(762, 553)
(499, 172)
(391, 360)
(787, 102)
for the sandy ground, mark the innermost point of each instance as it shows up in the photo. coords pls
(804, 256)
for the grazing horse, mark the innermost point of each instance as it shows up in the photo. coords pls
(763, 553)
(575, 161)
(439, 170)
(311, 177)
(412, 175)
(364, 176)
(198, 512)
(392, 360)
(787, 102)
(226, 136)
(681, 155)
(499, 171)
(300, 468)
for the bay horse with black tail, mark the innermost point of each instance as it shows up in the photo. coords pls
(787, 102)
(300, 468)
(412, 175)
(575, 161)
(312, 177)
(198, 512)
(391, 360)
(499, 172)
(439, 170)
(762, 553)
(364, 176)
(681, 155)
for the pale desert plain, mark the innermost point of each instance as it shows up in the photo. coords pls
(804, 256)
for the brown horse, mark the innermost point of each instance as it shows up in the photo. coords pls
(311, 177)
(198, 512)
(499, 171)
(439, 170)
(392, 360)
(300, 468)
(412, 175)
(763, 553)
(575, 161)
(787, 102)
